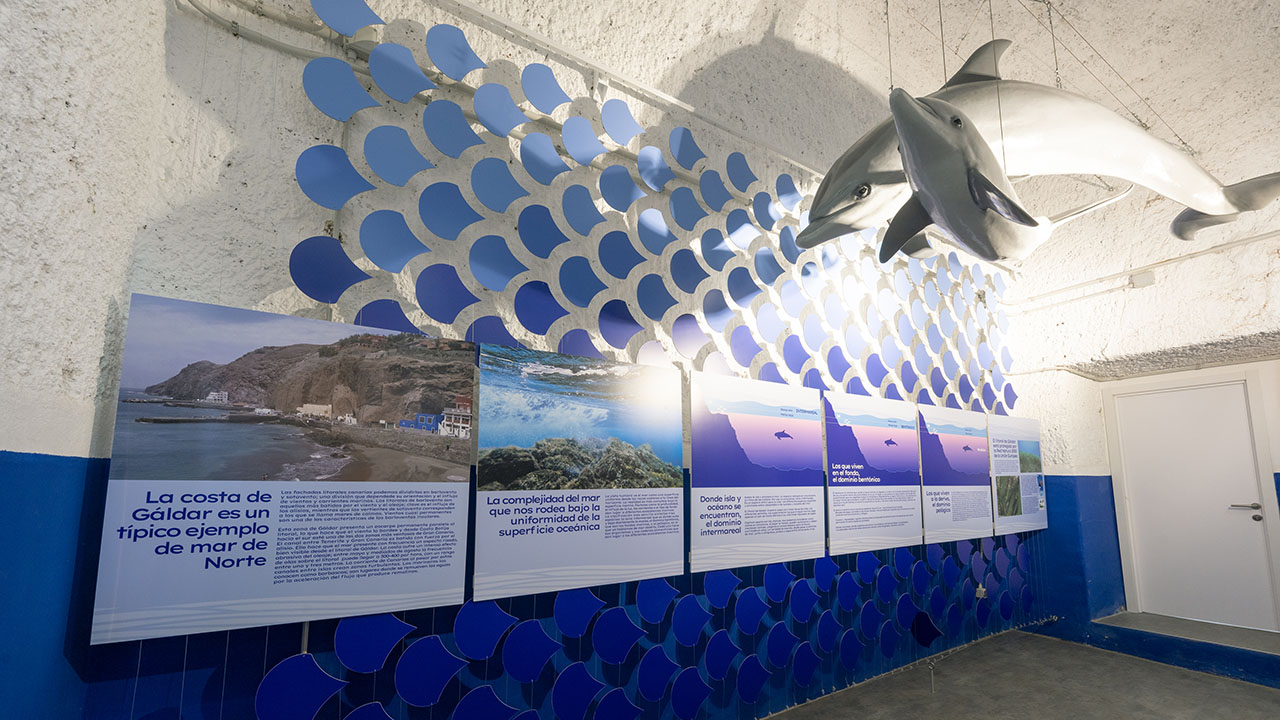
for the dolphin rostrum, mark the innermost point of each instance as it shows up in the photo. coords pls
(959, 185)
(1039, 130)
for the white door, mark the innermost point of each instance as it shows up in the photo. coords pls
(1189, 463)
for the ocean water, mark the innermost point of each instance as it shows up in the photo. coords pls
(211, 451)
(527, 395)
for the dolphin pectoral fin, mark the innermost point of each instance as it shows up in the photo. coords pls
(906, 225)
(919, 248)
(989, 197)
(1068, 216)
(983, 64)
(1253, 194)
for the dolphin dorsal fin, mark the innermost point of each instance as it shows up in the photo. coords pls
(908, 223)
(983, 64)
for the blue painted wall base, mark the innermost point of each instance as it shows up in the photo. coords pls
(1080, 557)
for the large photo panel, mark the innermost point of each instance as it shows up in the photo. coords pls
(873, 473)
(269, 469)
(579, 474)
(1017, 474)
(756, 473)
(956, 474)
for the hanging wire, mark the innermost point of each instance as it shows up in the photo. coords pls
(1004, 160)
(1053, 40)
(888, 38)
(942, 36)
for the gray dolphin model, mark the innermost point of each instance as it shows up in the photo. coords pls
(959, 185)
(1039, 130)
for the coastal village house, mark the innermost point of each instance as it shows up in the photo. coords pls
(316, 410)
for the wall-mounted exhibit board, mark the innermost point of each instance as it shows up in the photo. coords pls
(756, 472)
(1017, 474)
(956, 474)
(578, 477)
(261, 473)
(873, 473)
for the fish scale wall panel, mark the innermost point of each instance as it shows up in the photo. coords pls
(476, 199)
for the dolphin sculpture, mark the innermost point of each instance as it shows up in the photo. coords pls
(781, 434)
(1039, 130)
(959, 186)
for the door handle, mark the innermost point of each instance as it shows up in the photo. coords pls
(1250, 506)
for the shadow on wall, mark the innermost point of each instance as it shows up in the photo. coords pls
(769, 89)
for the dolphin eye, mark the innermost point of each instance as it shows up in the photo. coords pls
(862, 191)
(957, 121)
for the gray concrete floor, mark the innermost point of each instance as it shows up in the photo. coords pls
(1019, 676)
(1247, 638)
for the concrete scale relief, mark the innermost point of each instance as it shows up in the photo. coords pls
(1035, 130)
(873, 473)
(579, 479)
(270, 469)
(1017, 474)
(756, 473)
(956, 474)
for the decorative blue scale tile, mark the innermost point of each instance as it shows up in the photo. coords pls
(684, 149)
(654, 298)
(441, 294)
(574, 610)
(483, 703)
(716, 311)
(448, 49)
(369, 711)
(739, 171)
(614, 635)
(494, 186)
(478, 627)
(447, 128)
(295, 689)
(539, 232)
(653, 232)
(741, 231)
(720, 654)
(869, 620)
(779, 641)
(653, 168)
(749, 610)
(847, 591)
(618, 189)
(325, 175)
(331, 86)
(581, 141)
(777, 579)
(541, 89)
(392, 155)
(688, 620)
(345, 16)
(527, 650)
(578, 342)
(788, 195)
(752, 676)
(688, 693)
(578, 281)
(444, 211)
(617, 325)
(539, 156)
(654, 672)
(573, 692)
(766, 213)
(686, 271)
(496, 110)
(714, 194)
(804, 663)
(868, 566)
(536, 308)
(397, 73)
(363, 643)
(386, 314)
(616, 705)
(828, 631)
(321, 269)
(618, 121)
(787, 241)
(580, 209)
(424, 670)
(803, 599)
(850, 649)
(493, 264)
(714, 249)
(685, 208)
(687, 335)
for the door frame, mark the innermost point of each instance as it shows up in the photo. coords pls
(1251, 380)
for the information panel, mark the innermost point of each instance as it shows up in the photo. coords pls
(270, 469)
(956, 473)
(873, 473)
(756, 473)
(579, 478)
(1017, 474)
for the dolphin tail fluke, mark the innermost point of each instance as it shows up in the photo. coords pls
(1248, 195)
(1074, 214)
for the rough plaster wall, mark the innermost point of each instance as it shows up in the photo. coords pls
(147, 155)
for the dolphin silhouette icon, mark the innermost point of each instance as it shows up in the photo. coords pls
(890, 442)
(966, 448)
(782, 434)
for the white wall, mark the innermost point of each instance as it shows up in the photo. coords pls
(147, 150)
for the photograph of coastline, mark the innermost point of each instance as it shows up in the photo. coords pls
(558, 422)
(1029, 456)
(217, 393)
